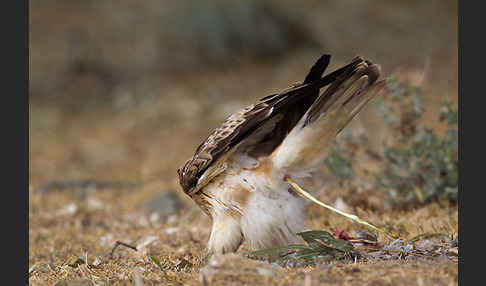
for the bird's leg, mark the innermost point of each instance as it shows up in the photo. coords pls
(225, 235)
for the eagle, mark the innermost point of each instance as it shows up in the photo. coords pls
(237, 174)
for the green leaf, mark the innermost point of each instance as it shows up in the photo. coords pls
(306, 255)
(279, 250)
(320, 243)
(325, 240)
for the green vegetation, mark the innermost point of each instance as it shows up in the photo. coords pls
(423, 165)
(320, 244)
(420, 165)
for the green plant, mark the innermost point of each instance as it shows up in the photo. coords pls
(320, 244)
(421, 166)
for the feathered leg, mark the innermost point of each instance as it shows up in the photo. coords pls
(225, 235)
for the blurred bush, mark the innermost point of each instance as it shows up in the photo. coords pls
(419, 164)
(99, 44)
(423, 165)
(97, 48)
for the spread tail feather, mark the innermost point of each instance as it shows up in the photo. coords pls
(308, 142)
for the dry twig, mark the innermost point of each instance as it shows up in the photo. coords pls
(123, 244)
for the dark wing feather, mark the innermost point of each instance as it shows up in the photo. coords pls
(290, 105)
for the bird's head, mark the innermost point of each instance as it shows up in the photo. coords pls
(188, 177)
(197, 172)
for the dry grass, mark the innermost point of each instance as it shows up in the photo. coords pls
(65, 228)
(143, 141)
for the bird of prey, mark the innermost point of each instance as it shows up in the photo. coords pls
(237, 173)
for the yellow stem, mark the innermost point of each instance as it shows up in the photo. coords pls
(350, 216)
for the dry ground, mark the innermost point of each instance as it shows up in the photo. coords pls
(141, 143)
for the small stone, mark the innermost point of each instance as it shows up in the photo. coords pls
(376, 254)
(106, 239)
(397, 245)
(172, 219)
(425, 245)
(171, 230)
(165, 204)
(94, 204)
(70, 209)
(265, 272)
(154, 217)
(453, 251)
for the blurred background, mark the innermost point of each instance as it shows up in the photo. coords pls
(124, 91)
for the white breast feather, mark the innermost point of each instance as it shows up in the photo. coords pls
(270, 216)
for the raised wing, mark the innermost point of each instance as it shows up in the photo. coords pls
(307, 145)
(258, 128)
